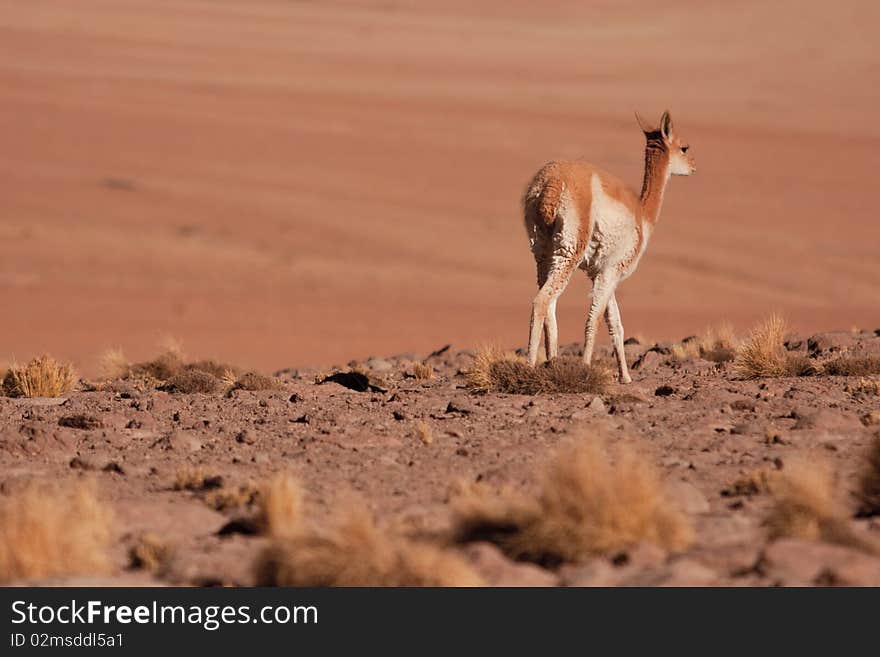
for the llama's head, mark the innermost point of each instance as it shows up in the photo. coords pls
(664, 138)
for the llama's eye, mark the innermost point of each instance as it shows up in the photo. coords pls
(684, 149)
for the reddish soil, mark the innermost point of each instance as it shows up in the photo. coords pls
(701, 426)
(278, 182)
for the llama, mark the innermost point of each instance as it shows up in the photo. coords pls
(578, 216)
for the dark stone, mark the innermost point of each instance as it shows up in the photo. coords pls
(80, 463)
(743, 404)
(85, 422)
(357, 381)
(664, 391)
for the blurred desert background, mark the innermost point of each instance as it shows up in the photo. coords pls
(285, 183)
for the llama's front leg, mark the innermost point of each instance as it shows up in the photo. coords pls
(603, 289)
(559, 273)
(615, 329)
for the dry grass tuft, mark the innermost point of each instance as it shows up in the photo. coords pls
(149, 552)
(348, 550)
(169, 371)
(113, 364)
(754, 482)
(496, 371)
(353, 551)
(717, 344)
(763, 355)
(196, 479)
(281, 506)
(852, 366)
(867, 492)
(805, 507)
(424, 432)
(192, 381)
(233, 498)
(41, 377)
(588, 504)
(256, 381)
(422, 371)
(46, 532)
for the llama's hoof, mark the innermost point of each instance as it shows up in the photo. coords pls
(625, 378)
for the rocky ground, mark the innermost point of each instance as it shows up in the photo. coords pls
(405, 443)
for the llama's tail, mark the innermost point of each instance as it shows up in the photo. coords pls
(542, 199)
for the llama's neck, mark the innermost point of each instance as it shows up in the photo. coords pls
(654, 183)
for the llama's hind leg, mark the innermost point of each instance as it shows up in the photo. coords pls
(558, 274)
(603, 290)
(615, 329)
(550, 329)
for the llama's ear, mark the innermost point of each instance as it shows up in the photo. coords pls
(666, 125)
(643, 124)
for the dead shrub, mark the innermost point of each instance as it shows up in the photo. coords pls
(169, 371)
(353, 551)
(424, 432)
(805, 507)
(852, 366)
(717, 344)
(763, 355)
(280, 505)
(149, 552)
(232, 498)
(497, 371)
(587, 504)
(192, 381)
(867, 491)
(255, 381)
(196, 479)
(751, 483)
(48, 531)
(349, 549)
(422, 371)
(41, 377)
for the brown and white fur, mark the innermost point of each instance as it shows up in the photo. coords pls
(578, 216)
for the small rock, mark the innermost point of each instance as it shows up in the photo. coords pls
(597, 572)
(294, 398)
(379, 365)
(244, 436)
(743, 405)
(302, 419)
(456, 406)
(179, 441)
(795, 562)
(498, 570)
(648, 360)
(597, 406)
(398, 415)
(743, 428)
(41, 401)
(113, 466)
(82, 463)
(79, 421)
(871, 419)
(631, 340)
(687, 497)
(664, 391)
(261, 459)
(682, 572)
